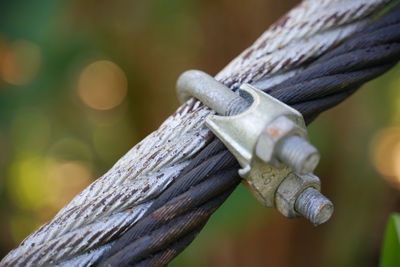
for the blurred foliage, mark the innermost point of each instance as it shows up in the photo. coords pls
(81, 82)
(390, 255)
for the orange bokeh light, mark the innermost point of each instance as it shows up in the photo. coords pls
(20, 62)
(385, 154)
(102, 85)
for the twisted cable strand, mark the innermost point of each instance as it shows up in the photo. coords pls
(153, 164)
(343, 79)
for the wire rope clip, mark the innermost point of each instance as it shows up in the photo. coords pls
(270, 141)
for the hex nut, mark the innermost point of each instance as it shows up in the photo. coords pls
(265, 179)
(273, 134)
(290, 188)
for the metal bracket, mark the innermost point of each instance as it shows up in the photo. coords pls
(240, 133)
(269, 140)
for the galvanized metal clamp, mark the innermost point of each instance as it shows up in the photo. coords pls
(269, 139)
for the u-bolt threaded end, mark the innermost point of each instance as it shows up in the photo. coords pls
(314, 206)
(298, 154)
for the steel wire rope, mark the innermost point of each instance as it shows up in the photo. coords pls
(89, 225)
(321, 85)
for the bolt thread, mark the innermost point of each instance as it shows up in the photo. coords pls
(314, 206)
(298, 154)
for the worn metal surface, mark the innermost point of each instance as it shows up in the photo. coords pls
(344, 77)
(213, 172)
(213, 94)
(314, 206)
(298, 154)
(84, 228)
(242, 135)
(290, 189)
(269, 144)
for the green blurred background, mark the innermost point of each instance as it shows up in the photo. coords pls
(81, 82)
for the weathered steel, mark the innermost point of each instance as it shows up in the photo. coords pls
(382, 52)
(85, 228)
(261, 131)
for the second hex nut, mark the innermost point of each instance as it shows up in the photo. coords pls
(290, 188)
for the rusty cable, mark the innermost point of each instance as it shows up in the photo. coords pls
(87, 226)
(166, 229)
